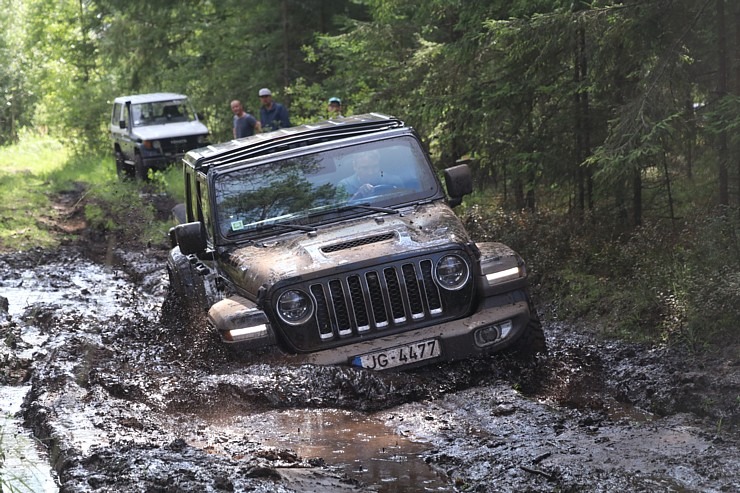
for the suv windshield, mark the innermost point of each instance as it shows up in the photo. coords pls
(160, 112)
(301, 189)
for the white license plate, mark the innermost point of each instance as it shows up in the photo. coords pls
(399, 356)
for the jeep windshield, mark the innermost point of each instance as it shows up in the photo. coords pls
(312, 189)
(162, 112)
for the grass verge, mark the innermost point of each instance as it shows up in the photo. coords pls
(39, 172)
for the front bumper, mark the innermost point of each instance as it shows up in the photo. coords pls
(160, 161)
(457, 337)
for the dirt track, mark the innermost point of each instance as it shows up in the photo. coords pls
(125, 404)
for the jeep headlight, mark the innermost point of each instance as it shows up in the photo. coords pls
(294, 307)
(202, 139)
(452, 272)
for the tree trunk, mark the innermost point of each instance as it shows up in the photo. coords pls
(690, 137)
(286, 44)
(637, 196)
(737, 93)
(579, 123)
(721, 93)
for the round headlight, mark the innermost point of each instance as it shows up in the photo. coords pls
(452, 272)
(294, 307)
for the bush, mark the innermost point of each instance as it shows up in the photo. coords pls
(653, 282)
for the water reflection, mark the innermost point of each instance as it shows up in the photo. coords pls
(359, 445)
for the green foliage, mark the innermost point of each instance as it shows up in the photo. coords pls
(119, 211)
(652, 283)
(27, 174)
(16, 96)
(705, 298)
(38, 171)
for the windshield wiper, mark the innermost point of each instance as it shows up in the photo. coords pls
(294, 227)
(368, 207)
(268, 226)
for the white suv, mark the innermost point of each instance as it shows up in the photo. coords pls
(151, 131)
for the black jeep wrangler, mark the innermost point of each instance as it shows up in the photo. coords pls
(335, 242)
(152, 131)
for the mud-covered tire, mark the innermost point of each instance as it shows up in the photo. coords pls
(123, 171)
(173, 309)
(141, 170)
(532, 342)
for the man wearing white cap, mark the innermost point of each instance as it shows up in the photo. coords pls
(272, 115)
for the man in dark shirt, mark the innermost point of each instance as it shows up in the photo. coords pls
(244, 123)
(272, 115)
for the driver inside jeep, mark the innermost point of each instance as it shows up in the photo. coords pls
(368, 178)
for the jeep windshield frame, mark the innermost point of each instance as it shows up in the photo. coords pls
(309, 189)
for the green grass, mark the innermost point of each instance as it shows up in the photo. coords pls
(27, 178)
(38, 171)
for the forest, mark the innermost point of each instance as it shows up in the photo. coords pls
(602, 134)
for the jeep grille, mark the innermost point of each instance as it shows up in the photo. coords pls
(376, 301)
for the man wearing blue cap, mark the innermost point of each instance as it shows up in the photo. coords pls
(335, 107)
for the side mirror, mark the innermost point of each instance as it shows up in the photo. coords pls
(200, 116)
(459, 183)
(122, 124)
(190, 237)
(179, 213)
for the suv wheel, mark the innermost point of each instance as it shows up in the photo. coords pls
(141, 170)
(122, 170)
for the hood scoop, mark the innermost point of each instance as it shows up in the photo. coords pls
(358, 242)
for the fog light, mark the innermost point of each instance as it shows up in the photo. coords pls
(505, 327)
(246, 333)
(485, 336)
(503, 275)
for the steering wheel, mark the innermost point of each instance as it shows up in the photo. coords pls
(381, 189)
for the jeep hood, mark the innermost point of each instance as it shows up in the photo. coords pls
(340, 245)
(170, 130)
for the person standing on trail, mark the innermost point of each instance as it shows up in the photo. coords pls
(244, 123)
(335, 107)
(272, 115)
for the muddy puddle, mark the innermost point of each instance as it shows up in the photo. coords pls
(123, 403)
(356, 445)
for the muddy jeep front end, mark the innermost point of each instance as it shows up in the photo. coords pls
(289, 258)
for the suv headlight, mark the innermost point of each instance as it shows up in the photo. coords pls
(294, 307)
(153, 145)
(452, 272)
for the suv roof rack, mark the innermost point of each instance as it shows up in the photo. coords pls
(289, 138)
